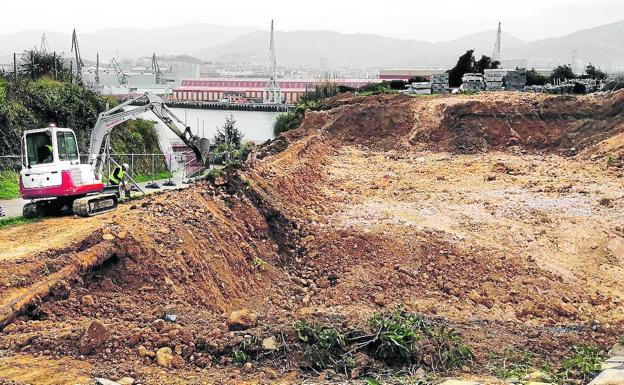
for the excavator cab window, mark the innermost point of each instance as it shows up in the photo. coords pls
(67, 148)
(39, 147)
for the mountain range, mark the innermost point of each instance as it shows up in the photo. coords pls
(603, 46)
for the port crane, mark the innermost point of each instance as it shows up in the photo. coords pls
(76, 50)
(159, 78)
(55, 179)
(121, 76)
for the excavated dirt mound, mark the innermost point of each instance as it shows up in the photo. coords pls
(373, 203)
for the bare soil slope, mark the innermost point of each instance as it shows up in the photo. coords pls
(469, 210)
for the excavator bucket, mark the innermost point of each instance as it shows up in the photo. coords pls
(203, 145)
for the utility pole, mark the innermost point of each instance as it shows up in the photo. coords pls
(54, 63)
(15, 65)
(97, 68)
(32, 65)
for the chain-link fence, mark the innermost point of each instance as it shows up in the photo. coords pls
(144, 166)
(141, 167)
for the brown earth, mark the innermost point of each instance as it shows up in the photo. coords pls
(501, 215)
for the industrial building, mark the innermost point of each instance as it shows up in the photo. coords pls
(407, 74)
(245, 90)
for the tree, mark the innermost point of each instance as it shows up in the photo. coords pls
(486, 63)
(396, 85)
(229, 138)
(534, 78)
(418, 79)
(563, 72)
(465, 64)
(594, 73)
(579, 89)
(36, 64)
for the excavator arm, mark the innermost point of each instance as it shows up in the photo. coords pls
(109, 119)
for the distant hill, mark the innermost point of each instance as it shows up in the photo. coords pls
(127, 42)
(602, 45)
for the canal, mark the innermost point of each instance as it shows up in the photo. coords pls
(255, 125)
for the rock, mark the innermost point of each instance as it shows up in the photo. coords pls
(537, 376)
(460, 382)
(104, 381)
(605, 202)
(490, 177)
(270, 373)
(94, 338)
(143, 352)
(242, 319)
(164, 357)
(248, 367)
(87, 300)
(122, 235)
(270, 343)
(159, 324)
(616, 350)
(126, 381)
(108, 237)
(171, 317)
(609, 377)
(177, 362)
(379, 299)
(309, 238)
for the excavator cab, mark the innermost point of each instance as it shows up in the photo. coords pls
(52, 174)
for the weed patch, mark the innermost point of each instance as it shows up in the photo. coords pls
(9, 185)
(397, 338)
(584, 363)
(15, 221)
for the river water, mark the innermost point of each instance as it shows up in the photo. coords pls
(255, 126)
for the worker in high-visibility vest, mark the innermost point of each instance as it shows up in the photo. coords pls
(117, 176)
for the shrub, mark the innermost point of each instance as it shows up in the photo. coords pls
(584, 363)
(512, 365)
(286, 121)
(326, 347)
(397, 336)
(404, 338)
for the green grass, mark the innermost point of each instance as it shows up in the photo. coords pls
(9, 185)
(158, 176)
(15, 221)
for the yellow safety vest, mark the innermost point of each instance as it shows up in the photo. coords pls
(116, 176)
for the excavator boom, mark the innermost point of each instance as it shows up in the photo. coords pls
(107, 120)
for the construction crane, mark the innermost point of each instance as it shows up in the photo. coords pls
(44, 46)
(157, 72)
(496, 55)
(76, 50)
(53, 176)
(121, 76)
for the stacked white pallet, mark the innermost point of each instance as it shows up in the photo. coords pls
(420, 88)
(472, 82)
(494, 79)
(440, 83)
(515, 80)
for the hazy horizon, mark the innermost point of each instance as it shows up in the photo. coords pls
(431, 21)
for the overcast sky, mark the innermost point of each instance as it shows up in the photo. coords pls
(429, 20)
